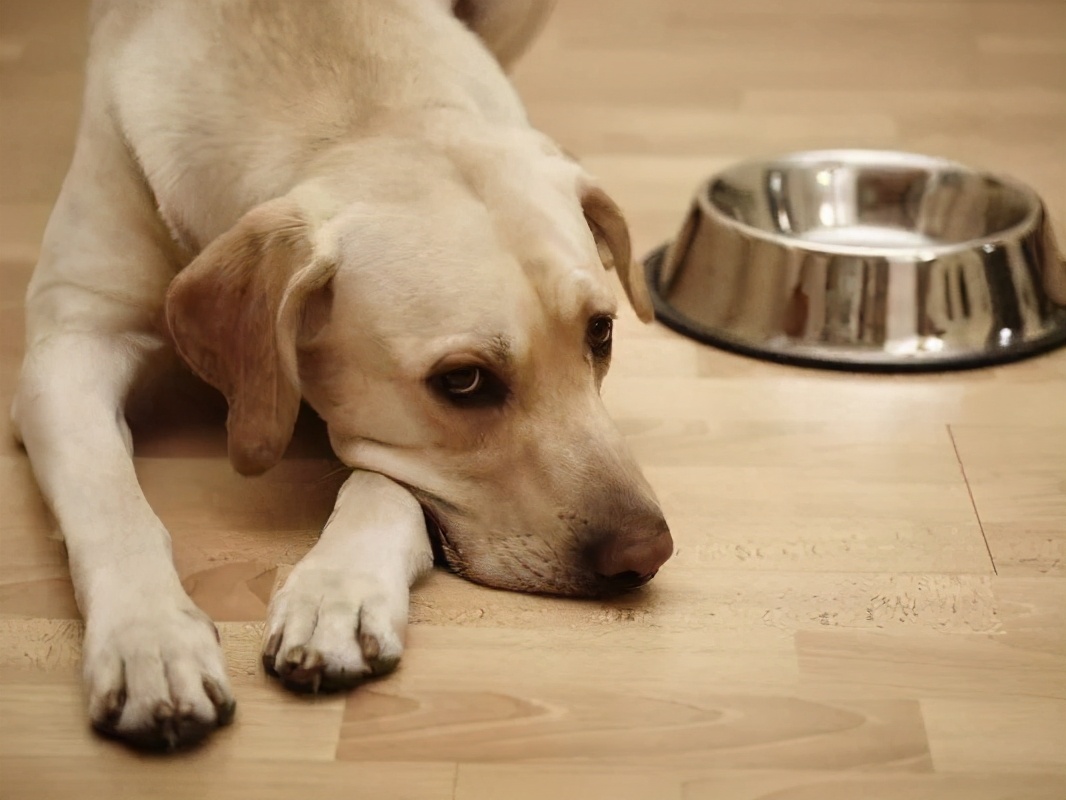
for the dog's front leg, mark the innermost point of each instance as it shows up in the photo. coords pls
(342, 614)
(153, 667)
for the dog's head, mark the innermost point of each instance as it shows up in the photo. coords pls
(452, 325)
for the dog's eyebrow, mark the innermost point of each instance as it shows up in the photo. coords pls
(587, 298)
(501, 348)
(497, 351)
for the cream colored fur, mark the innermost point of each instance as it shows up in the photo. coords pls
(333, 202)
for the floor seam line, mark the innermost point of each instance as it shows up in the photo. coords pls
(973, 501)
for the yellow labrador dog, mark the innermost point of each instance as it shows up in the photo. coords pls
(342, 203)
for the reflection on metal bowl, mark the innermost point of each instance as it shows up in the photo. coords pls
(864, 260)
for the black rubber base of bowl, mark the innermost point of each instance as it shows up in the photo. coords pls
(671, 318)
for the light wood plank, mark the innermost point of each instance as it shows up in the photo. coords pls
(831, 619)
(1018, 479)
(490, 782)
(527, 719)
(929, 666)
(48, 712)
(116, 776)
(997, 734)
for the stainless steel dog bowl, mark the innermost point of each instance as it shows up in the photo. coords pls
(864, 260)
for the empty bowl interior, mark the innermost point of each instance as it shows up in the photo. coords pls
(854, 204)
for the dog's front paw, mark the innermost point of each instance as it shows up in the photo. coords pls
(332, 628)
(155, 673)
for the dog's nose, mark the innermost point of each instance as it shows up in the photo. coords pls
(628, 561)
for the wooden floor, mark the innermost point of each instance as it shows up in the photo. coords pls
(869, 594)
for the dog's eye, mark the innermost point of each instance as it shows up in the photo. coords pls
(462, 382)
(599, 336)
(470, 386)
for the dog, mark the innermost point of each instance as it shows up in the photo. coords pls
(339, 204)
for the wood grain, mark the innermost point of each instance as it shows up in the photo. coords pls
(868, 596)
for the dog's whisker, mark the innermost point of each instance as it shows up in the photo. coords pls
(333, 473)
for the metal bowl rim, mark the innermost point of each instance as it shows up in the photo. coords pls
(1035, 210)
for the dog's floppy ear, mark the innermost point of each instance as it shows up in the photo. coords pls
(612, 239)
(234, 315)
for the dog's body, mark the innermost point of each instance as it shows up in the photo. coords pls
(342, 203)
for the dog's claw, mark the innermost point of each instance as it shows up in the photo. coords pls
(270, 654)
(170, 736)
(114, 703)
(294, 659)
(306, 669)
(225, 707)
(370, 646)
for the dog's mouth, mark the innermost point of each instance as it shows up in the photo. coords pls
(448, 556)
(438, 538)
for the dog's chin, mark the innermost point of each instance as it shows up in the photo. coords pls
(578, 586)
